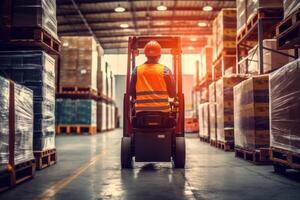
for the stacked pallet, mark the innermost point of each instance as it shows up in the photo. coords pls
(284, 109)
(224, 42)
(225, 110)
(213, 113)
(77, 111)
(204, 125)
(29, 36)
(16, 134)
(251, 119)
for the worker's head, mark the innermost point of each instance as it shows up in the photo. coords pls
(152, 51)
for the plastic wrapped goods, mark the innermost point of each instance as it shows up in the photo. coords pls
(104, 117)
(204, 119)
(35, 13)
(285, 107)
(99, 69)
(212, 92)
(224, 93)
(205, 71)
(79, 62)
(224, 32)
(23, 122)
(241, 14)
(290, 6)
(251, 113)
(76, 112)
(213, 121)
(200, 119)
(99, 116)
(35, 70)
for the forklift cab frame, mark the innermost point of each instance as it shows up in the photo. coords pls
(156, 144)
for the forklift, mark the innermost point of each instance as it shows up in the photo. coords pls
(154, 136)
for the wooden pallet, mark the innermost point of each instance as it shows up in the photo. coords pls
(288, 32)
(77, 90)
(284, 159)
(213, 143)
(225, 146)
(38, 37)
(18, 174)
(76, 129)
(256, 156)
(288, 23)
(204, 139)
(45, 158)
(271, 14)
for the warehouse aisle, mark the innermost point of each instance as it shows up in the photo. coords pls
(88, 168)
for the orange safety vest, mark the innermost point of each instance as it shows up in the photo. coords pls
(151, 89)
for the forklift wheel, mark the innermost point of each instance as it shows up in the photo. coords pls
(126, 156)
(179, 156)
(278, 168)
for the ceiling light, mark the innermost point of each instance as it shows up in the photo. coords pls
(119, 9)
(193, 39)
(190, 48)
(202, 24)
(160, 23)
(207, 8)
(161, 7)
(124, 25)
(158, 35)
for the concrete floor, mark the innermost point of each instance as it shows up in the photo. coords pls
(89, 168)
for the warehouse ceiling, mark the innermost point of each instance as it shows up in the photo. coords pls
(187, 19)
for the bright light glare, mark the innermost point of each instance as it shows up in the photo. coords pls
(202, 24)
(190, 48)
(124, 25)
(207, 8)
(193, 39)
(119, 9)
(161, 8)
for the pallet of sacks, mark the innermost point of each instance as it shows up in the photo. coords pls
(225, 110)
(251, 120)
(285, 120)
(36, 70)
(17, 163)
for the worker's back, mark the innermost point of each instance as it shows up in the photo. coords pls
(151, 89)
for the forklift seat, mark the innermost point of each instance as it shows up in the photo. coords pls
(153, 119)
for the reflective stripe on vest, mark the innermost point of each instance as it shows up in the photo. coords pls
(151, 89)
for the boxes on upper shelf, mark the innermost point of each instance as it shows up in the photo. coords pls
(290, 6)
(205, 71)
(79, 62)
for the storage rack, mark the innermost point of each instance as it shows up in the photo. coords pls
(256, 30)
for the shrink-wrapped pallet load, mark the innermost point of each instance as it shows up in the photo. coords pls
(35, 14)
(76, 112)
(285, 107)
(79, 62)
(225, 107)
(204, 120)
(35, 70)
(290, 6)
(212, 111)
(23, 104)
(104, 116)
(205, 71)
(251, 113)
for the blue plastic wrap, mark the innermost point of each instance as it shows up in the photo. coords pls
(35, 70)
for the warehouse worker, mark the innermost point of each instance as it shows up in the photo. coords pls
(152, 83)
